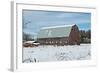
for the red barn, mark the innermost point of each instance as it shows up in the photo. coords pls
(59, 35)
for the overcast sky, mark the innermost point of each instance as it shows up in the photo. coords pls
(34, 20)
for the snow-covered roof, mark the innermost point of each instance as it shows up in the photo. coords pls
(50, 27)
(55, 31)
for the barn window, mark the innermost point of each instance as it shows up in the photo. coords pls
(46, 41)
(60, 41)
(50, 41)
(56, 41)
(65, 41)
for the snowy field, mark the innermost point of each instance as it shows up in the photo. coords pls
(56, 53)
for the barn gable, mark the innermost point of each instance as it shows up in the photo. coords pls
(55, 31)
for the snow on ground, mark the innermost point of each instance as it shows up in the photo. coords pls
(56, 53)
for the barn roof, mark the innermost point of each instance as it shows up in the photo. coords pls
(54, 31)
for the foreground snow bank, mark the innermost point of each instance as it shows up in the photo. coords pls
(57, 53)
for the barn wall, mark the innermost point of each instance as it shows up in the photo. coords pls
(53, 41)
(74, 37)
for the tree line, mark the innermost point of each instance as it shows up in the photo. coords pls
(27, 37)
(85, 36)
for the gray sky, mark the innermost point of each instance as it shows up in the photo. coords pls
(34, 20)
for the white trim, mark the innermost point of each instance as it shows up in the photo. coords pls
(44, 3)
(13, 37)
